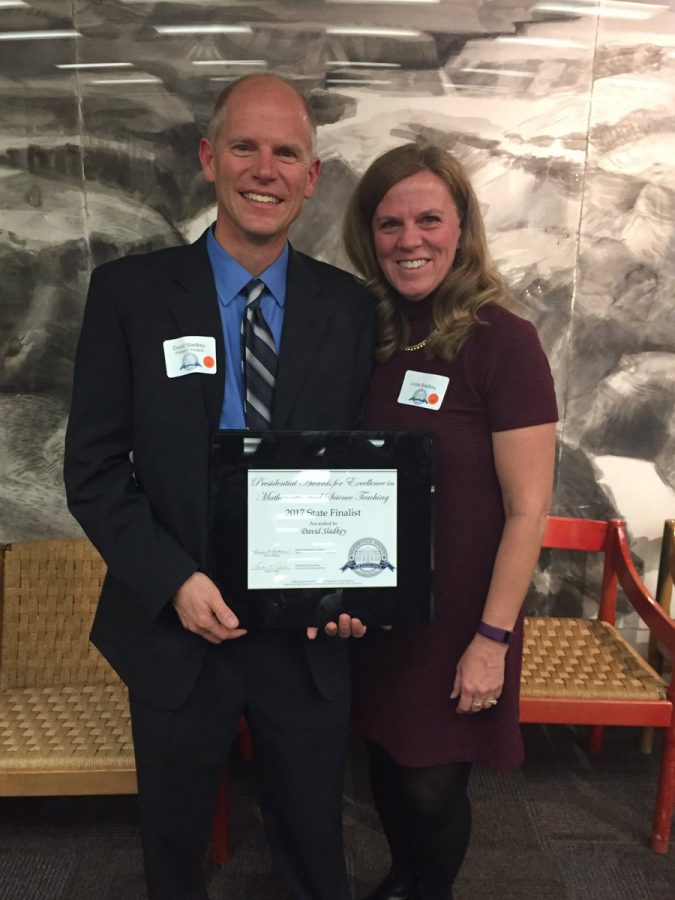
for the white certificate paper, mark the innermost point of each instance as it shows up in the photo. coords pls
(322, 528)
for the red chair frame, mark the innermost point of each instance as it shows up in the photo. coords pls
(220, 832)
(609, 538)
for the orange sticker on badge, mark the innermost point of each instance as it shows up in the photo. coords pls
(190, 355)
(425, 390)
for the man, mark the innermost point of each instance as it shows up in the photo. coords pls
(136, 474)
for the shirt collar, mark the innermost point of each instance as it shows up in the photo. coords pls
(231, 277)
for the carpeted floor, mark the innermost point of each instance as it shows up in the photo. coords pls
(564, 827)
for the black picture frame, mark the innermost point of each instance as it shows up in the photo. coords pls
(411, 454)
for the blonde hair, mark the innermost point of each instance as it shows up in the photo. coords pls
(472, 280)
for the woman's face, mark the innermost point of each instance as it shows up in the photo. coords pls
(416, 232)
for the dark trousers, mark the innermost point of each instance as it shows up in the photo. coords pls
(300, 744)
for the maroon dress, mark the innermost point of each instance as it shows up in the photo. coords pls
(500, 380)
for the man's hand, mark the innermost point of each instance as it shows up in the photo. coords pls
(345, 627)
(202, 610)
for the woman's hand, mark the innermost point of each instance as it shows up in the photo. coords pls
(345, 627)
(480, 675)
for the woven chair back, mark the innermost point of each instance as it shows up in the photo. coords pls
(49, 593)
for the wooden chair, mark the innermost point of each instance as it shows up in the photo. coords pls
(581, 671)
(664, 592)
(64, 713)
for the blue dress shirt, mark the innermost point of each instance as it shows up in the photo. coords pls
(231, 279)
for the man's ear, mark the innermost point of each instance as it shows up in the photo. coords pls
(312, 177)
(206, 157)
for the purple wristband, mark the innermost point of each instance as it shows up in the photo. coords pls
(493, 633)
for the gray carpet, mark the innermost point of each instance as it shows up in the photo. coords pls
(564, 827)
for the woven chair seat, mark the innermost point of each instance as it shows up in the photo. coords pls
(584, 658)
(66, 728)
(64, 713)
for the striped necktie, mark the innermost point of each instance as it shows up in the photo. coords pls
(260, 360)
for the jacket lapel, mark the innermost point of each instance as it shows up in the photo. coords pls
(194, 305)
(305, 321)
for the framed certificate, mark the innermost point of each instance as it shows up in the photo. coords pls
(307, 525)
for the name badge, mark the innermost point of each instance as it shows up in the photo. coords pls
(424, 389)
(190, 355)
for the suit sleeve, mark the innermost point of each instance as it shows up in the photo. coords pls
(101, 488)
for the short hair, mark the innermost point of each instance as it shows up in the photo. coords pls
(220, 105)
(472, 279)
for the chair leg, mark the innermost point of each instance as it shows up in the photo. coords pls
(595, 740)
(245, 739)
(655, 660)
(647, 739)
(220, 833)
(665, 797)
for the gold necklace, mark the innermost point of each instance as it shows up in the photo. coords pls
(418, 346)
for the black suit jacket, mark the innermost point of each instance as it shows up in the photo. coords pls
(136, 462)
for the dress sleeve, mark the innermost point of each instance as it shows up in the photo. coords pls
(517, 379)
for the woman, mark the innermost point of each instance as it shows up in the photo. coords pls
(432, 701)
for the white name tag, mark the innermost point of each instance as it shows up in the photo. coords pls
(190, 355)
(424, 389)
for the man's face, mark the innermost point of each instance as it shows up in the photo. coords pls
(261, 164)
